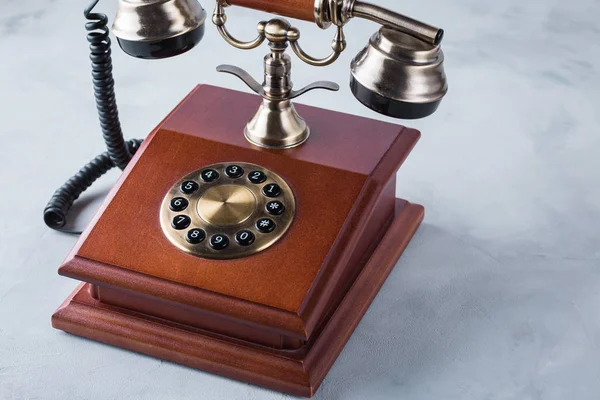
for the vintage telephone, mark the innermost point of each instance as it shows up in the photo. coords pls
(241, 242)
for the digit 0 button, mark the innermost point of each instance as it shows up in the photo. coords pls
(227, 210)
(245, 238)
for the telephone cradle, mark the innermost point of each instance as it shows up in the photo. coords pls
(273, 305)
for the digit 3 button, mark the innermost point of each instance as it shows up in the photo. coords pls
(272, 190)
(195, 236)
(234, 171)
(265, 225)
(219, 242)
(181, 222)
(209, 175)
(244, 238)
(275, 207)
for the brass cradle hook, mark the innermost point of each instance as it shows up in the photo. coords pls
(277, 123)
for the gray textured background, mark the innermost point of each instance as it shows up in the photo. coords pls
(496, 298)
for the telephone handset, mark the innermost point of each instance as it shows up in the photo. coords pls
(251, 256)
(399, 73)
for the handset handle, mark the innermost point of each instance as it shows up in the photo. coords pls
(299, 9)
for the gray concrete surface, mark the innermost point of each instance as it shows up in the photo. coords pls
(496, 298)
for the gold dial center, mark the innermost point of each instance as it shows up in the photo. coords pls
(226, 205)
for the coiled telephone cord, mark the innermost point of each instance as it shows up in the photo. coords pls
(119, 152)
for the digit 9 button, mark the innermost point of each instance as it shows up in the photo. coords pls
(227, 211)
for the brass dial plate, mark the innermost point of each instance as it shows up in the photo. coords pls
(226, 206)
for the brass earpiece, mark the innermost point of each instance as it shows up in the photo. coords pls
(154, 29)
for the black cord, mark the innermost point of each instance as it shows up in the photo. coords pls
(119, 152)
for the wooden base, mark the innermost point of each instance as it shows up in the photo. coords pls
(82, 315)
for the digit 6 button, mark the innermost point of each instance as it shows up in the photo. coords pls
(179, 204)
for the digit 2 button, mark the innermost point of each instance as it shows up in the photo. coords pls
(257, 177)
(219, 242)
(181, 222)
(209, 175)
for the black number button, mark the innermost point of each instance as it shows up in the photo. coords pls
(209, 175)
(265, 225)
(257, 177)
(195, 236)
(219, 242)
(181, 222)
(272, 190)
(179, 204)
(275, 208)
(234, 171)
(189, 187)
(245, 238)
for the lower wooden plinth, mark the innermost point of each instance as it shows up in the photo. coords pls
(82, 315)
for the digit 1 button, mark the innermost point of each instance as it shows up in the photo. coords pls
(244, 238)
(272, 190)
(195, 236)
(181, 222)
(265, 225)
(179, 204)
(189, 187)
(209, 175)
(257, 177)
(275, 208)
(219, 242)
(234, 171)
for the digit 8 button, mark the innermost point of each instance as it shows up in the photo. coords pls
(228, 210)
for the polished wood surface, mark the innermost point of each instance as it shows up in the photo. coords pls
(344, 205)
(300, 9)
(82, 315)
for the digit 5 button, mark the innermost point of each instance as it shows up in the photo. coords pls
(189, 187)
(219, 242)
(275, 207)
(272, 190)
